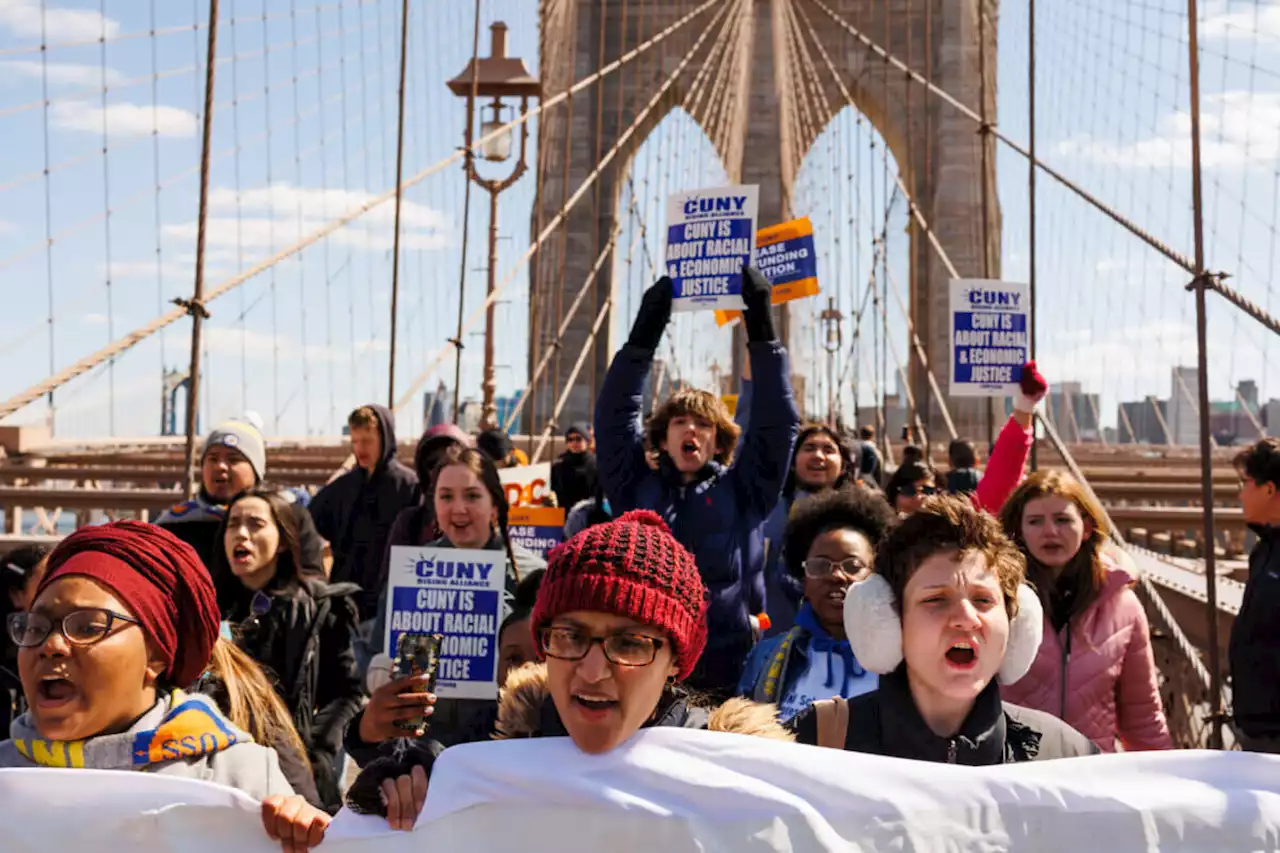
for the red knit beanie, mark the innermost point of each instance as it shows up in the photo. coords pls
(159, 578)
(630, 567)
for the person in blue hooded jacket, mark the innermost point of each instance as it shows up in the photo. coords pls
(714, 505)
(830, 542)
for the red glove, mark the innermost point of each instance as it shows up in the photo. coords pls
(1032, 389)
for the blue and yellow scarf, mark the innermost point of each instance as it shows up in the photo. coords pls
(180, 727)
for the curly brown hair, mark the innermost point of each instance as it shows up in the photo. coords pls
(950, 524)
(701, 404)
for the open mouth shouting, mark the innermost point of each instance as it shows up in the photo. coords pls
(242, 554)
(55, 690)
(593, 707)
(963, 654)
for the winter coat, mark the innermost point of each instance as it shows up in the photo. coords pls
(574, 478)
(294, 763)
(778, 669)
(305, 641)
(175, 722)
(719, 516)
(1111, 693)
(887, 722)
(199, 520)
(783, 593)
(870, 466)
(1004, 467)
(1255, 642)
(963, 481)
(586, 514)
(525, 709)
(355, 513)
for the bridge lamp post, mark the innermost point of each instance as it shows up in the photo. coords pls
(495, 76)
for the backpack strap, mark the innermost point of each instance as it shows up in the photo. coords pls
(833, 722)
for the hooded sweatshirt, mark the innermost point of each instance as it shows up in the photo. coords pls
(182, 735)
(804, 665)
(355, 513)
(1255, 641)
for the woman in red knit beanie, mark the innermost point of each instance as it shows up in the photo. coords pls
(620, 619)
(124, 619)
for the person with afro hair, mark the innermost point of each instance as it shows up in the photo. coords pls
(829, 543)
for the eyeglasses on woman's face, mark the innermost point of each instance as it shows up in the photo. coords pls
(624, 649)
(821, 568)
(80, 627)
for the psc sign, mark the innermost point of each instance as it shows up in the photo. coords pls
(526, 494)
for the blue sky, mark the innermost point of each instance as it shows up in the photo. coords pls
(305, 342)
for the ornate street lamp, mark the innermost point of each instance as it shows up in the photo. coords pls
(495, 76)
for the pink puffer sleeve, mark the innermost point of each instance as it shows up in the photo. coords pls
(1004, 468)
(1140, 720)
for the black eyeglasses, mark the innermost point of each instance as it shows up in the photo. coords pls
(820, 568)
(80, 627)
(622, 649)
(909, 490)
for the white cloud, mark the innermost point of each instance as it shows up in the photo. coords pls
(94, 319)
(145, 270)
(297, 211)
(7, 227)
(1237, 129)
(61, 73)
(1142, 353)
(1240, 21)
(259, 346)
(25, 19)
(1136, 272)
(124, 119)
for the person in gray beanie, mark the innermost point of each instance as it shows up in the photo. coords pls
(233, 459)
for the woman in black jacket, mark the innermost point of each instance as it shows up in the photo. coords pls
(621, 618)
(299, 629)
(945, 616)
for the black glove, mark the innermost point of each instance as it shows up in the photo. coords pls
(757, 293)
(653, 316)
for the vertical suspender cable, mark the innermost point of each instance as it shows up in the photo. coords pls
(1201, 284)
(466, 209)
(196, 306)
(395, 240)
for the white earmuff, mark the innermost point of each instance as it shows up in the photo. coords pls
(872, 625)
(1026, 630)
(874, 629)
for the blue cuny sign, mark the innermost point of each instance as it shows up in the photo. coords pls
(458, 594)
(989, 322)
(710, 237)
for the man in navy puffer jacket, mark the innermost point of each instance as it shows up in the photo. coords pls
(715, 506)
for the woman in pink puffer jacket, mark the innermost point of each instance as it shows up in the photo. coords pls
(1095, 669)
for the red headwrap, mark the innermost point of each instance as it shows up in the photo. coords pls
(159, 578)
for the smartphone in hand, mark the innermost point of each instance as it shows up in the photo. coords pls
(418, 654)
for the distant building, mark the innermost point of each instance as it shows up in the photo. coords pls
(1271, 416)
(1183, 417)
(505, 406)
(1073, 412)
(436, 406)
(1143, 418)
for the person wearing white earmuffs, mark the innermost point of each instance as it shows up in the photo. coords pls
(944, 619)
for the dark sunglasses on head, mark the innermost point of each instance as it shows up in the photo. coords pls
(910, 490)
(80, 627)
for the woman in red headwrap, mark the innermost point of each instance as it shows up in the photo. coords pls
(124, 618)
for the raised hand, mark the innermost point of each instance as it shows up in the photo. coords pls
(653, 316)
(757, 293)
(393, 703)
(1032, 389)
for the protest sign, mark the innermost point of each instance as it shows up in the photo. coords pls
(536, 529)
(710, 238)
(456, 593)
(526, 485)
(785, 255)
(989, 321)
(673, 789)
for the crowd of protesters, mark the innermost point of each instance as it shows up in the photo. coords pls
(758, 575)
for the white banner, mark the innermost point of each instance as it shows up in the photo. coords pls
(674, 790)
(526, 485)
